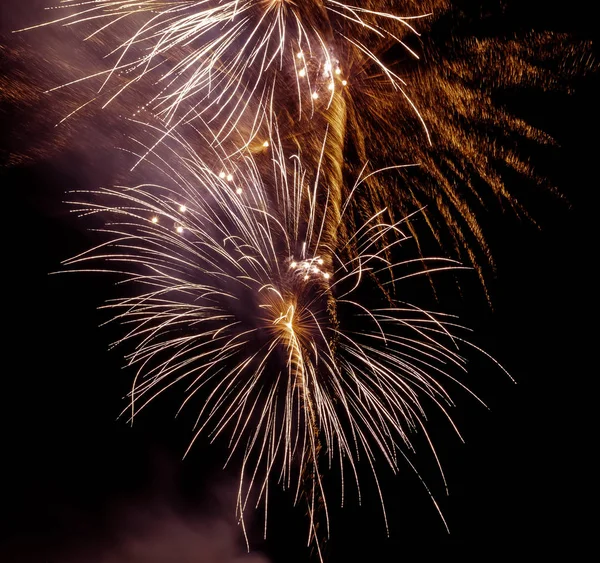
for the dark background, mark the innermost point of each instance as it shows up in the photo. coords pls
(79, 485)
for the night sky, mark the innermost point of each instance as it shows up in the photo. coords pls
(79, 485)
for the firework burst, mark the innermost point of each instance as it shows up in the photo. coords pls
(240, 301)
(226, 60)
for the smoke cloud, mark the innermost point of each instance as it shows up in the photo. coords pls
(163, 536)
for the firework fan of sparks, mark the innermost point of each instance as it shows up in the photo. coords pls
(227, 259)
(228, 59)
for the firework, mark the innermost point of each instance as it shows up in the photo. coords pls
(264, 263)
(226, 60)
(238, 300)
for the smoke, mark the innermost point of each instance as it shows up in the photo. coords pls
(161, 535)
(157, 529)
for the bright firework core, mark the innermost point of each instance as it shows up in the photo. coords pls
(309, 268)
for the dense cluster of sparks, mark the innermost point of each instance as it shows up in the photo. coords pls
(266, 262)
